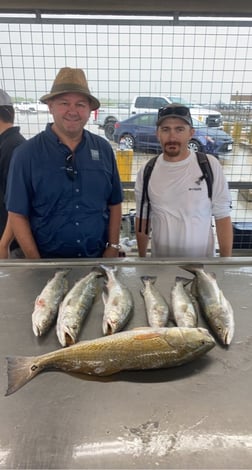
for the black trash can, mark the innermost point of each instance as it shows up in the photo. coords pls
(242, 235)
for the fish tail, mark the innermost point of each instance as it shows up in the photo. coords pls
(193, 268)
(184, 280)
(20, 370)
(151, 279)
(98, 270)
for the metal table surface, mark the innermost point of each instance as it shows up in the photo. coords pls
(196, 416)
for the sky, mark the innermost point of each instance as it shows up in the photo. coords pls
(203, 64)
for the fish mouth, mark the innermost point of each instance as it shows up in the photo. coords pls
(227, 338)
(69, 341)
(109, 327)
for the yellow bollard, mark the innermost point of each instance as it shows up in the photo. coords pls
(227, 127)
(124, 160)
(237, 132)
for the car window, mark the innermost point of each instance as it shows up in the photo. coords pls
(145, 120)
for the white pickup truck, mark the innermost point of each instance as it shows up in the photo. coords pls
(31, 107)
(148, 104)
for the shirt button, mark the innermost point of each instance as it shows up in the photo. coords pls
(77, 206)
(77, 223)
(77, 190)
(78, 241)
(79, 254)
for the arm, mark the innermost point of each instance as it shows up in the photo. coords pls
(142, 238)
(22, 231)
(224, 231)
(7, 238)
(114, 230)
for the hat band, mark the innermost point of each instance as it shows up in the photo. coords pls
(69, 87)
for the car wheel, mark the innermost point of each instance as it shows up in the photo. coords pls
(109, 129)
(195, 145)
(129, 141)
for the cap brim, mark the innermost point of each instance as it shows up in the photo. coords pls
(187, 119)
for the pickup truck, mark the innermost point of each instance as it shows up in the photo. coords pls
(31, 107)
(25, 107)
(106, 118)
(148, 104)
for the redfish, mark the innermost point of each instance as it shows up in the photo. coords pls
(137, 349)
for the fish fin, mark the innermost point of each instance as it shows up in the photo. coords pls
(21, 370)
(148, 335)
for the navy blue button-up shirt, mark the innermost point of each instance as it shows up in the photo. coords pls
(69, 214)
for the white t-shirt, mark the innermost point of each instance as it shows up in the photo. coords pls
(181, 211)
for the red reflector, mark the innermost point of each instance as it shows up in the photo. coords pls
(117, 125)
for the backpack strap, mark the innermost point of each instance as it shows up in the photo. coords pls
(145, 196)
(207, 172)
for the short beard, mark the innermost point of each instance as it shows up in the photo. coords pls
(172, 152)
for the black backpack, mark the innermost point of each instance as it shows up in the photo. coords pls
(207, 174)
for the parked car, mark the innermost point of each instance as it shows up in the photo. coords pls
(149, 104)
(139, 132)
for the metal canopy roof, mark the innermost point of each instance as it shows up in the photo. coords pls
(131, 7)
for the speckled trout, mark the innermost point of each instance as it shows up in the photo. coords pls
(183, 304)
(48, 301)
(216, 309)
(75, 307)
(118, 302)
(157, 308)
(137, 349)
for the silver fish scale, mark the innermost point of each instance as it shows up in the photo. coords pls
(216, 309)
(48, 301)
(156, 306)
(75, 307)
(183, 306)
(118, 303)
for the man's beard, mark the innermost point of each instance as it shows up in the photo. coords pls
(172, 149)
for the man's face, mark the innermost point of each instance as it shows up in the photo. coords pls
(174, 135)
(71, 112)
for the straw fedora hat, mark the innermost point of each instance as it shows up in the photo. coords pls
(70, 80)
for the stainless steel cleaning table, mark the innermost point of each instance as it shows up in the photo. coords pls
(196, 416)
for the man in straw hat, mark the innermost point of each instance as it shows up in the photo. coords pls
(64, 193)
(10, 138)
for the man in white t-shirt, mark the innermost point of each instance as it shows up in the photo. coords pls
(181, 211)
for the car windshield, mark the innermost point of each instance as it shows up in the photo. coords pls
(197, 123)
(177, 99)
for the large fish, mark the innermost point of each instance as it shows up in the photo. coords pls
(216, 309)
(118, 302)
(156, 306)
(75, 307)
(183, 304)
(137, 349)
(48, 301)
